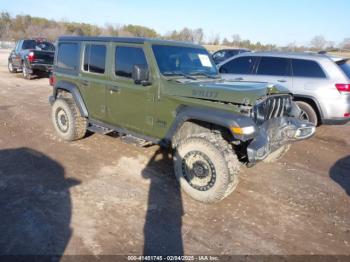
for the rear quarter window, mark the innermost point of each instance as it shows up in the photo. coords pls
(307, 68)
(68, 56)
(345, 67)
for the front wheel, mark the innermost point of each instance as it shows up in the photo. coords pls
(206, 167)
(11, 68)
(307, 112)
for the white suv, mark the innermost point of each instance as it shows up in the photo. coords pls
(320, 84)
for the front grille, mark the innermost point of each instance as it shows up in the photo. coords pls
(272, 107)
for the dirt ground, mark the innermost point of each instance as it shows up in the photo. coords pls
(101, 196)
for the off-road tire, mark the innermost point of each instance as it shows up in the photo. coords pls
(10, 67)
(308, 113)
(223, 158)
(25, 73)
(277, 155)
(76, 128)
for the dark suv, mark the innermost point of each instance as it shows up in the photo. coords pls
(170, 93)
(224, 54)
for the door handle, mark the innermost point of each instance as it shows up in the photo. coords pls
(84, 83)
(114, 89)
(282, 81)
(239, 79)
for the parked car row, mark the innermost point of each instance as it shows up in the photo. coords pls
(319, 83)
(31, 57)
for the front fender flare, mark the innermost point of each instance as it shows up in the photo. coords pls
(212, 116)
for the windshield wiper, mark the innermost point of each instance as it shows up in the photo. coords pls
(205, 74)
(179, 73)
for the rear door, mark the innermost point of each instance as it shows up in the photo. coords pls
(276, 70)
(239, 69)
(94, 78)
(129, 104)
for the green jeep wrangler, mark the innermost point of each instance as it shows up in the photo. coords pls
(170, 93)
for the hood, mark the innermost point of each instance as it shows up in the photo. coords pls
(225, 91)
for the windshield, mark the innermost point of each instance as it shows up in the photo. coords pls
(345, 66)
(184, 61)
(38, 45)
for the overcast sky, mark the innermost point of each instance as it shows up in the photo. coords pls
(271, 21)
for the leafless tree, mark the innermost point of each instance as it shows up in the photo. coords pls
(319, 42)
(236, 40)
(345, 44)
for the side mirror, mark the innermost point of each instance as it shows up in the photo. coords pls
(140, 74)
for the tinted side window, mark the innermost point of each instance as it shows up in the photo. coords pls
(68, 56)
(307, 68)
(219, 55)
(345, 66)
(240, 65)
(28, 44)
(126, 58)
(274, 66)
(95, 58)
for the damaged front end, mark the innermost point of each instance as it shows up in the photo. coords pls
(277, 124)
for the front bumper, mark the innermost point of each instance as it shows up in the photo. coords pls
(275, 133)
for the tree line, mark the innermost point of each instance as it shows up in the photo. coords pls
(26, 26)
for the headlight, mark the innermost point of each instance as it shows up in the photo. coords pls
(243, 130)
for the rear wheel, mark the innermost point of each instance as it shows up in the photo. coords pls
(307, 112)
(68, 122)
(25, 72)
(206, 167)
(11, 67)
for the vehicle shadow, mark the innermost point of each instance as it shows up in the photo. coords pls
(35, 204)
(162, 229)
(340, 173)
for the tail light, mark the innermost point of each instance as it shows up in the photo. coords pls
(52, 80)
(343, 87)
(31, 57)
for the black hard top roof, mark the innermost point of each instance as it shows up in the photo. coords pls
(132, 40)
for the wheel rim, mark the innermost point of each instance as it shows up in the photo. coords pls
(25, 73)
(198, 170)
(304, 116)
(10, 66)
(62, 120)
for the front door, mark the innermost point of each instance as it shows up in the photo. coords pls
(239, 69)
(129, 104)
